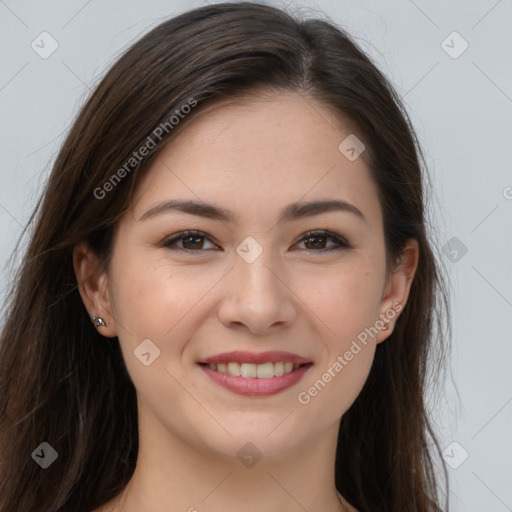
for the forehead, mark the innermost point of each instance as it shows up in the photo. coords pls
(268, 126)
(259, 151)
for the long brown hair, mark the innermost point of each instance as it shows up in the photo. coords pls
(62, 383)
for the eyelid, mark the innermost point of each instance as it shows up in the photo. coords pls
(184, 234)
(341, 242)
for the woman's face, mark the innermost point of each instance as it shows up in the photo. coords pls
(251, 283)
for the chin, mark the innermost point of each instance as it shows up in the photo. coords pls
(258, 435)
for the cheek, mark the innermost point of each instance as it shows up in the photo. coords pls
(354, 368)
(346, 299)
(152, 297)
(348, 306)
(154, 302)
(337, 382)
(161, 303)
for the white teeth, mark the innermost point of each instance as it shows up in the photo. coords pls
(251, 371)
(247, 370)
(234, 369)
(265, 371)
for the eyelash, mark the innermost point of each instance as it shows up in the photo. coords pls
(341, 242)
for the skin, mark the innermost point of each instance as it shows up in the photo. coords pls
(252, 156)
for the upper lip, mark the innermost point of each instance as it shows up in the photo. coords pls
(240, 356)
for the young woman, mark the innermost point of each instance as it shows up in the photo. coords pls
(229, 298)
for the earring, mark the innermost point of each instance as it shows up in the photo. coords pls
(98, 322)
(385, 326)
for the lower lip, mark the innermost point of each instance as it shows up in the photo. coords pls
(256, 387)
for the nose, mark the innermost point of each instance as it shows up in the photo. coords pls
(258, 296)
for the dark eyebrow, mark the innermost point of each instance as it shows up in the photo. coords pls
(293, 211)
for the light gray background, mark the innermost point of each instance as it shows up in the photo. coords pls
(461, 108)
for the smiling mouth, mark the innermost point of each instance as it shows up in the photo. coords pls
(255, 371)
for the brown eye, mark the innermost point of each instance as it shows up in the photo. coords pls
(317, 240)
(191, 241)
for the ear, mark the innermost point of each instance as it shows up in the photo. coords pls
(93, 287)
(397, 288)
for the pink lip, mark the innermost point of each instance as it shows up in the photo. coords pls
(240, 356)
(256, 387)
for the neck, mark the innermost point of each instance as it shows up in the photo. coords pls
(171, 475)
